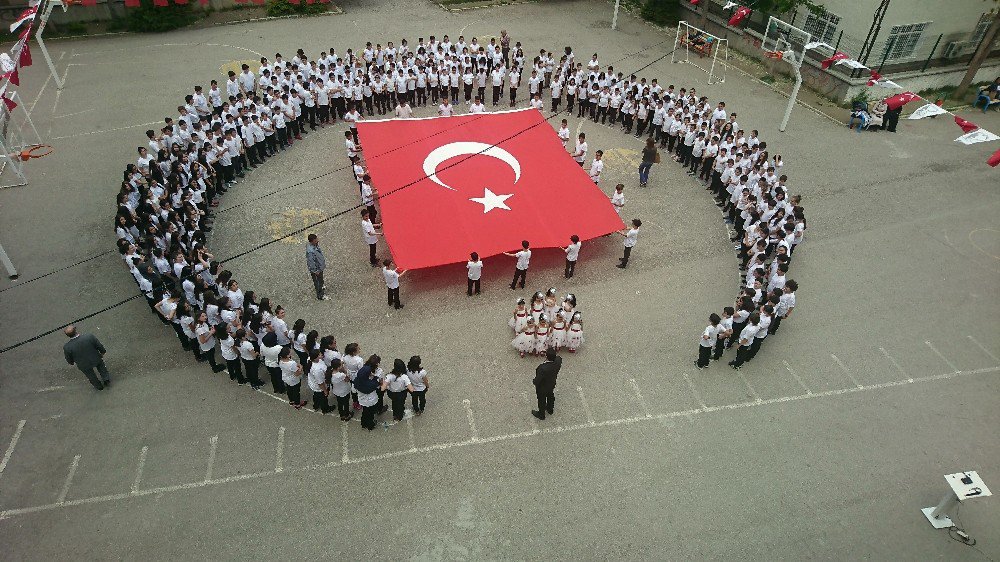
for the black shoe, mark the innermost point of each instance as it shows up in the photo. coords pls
(218, 369)
(551, 412)
(399, 307)
(99, 387)
(107, 383)
(537, 414)
(620, 266)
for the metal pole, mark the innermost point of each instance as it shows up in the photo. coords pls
(614, 20)
(791, 98)
(888, 50)
(839, 37)
(930, 56)
(49, 4)
(11, 272)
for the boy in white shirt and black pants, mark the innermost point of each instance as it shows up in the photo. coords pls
(572, 254)
(630, 238)
(475, 267)
(521, 269)
(708, 340)
(392, 283)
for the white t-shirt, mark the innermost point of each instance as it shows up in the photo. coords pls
(475, 269)
(573, 251)
(417, 379)
(368, 231)
(631, 237)
(446, 110)
(270, 355)
(288, 375)
(391, 278)
(228, 348)
(580, 154)
(618, 200)
(596, 167)
(209, 343)
(709, 336)
(317, 376)
(340, 383)
(523, 257)
(397, 383)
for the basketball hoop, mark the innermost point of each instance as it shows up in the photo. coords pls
(34, 151)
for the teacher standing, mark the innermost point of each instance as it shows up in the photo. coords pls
(545, 383)
(650, 156)
(87, 353)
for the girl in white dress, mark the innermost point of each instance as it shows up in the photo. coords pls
(524, 342)
(551, 303)
(542, 334)
(574, 337)
(568, 307)
(557, 334)
(520, 317)
(537, 305)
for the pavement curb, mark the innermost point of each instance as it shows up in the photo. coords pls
(495, 4)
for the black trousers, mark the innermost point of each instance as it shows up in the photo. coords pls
(101, 368)
(398, 400)
(371, 254)
(418, 399)
(570, 100)
(513, 96)
(276, 383)
(421, 96)
(671, 141)
(625, 257)
(473, 285)
(252, 367)
(394, 297)
(309, 113)
(519, 274)
(344, 406)
(235, 371)
(570, 268)
(555, 105)
(755, 347)
(546, 401)
(742, 355)
(368, 417)
(719, 348)
(317, 278)
(704, 354)
(294, 397)
(324, 113)
(773, 328)
(468, 93)
(320, 403)
(496, 94)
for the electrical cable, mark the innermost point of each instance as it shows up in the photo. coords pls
(318, 222)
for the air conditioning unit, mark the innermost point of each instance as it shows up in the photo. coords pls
(957, 49)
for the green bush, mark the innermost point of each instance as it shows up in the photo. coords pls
(863, 96)
(149, 18)
(276, 8)
(660, 12)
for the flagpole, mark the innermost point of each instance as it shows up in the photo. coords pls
(797, 66)
(46, 12)
(7, 264)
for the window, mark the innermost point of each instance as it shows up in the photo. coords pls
(822, 26)
(980, 32)
(903, 40)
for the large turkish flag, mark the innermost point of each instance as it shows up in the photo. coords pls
(482, 183)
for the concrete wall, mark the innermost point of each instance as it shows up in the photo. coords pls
(947, 16)
(104, 10)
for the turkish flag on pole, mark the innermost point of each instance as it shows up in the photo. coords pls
(26, 15)
(966, 126)
(836, 57)
(25, 58)
(874, 78)
(741, 14)
(994, 160)
(899, 100)
(482, 183)
(13, 77)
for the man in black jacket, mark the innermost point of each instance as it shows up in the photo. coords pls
(545, 383)
(87, 354)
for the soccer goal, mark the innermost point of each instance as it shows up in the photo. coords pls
(701, 49)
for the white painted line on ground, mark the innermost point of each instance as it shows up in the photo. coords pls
(472, 419)
(409, 433)
(76, 113)
(13, 443)
(213, 445)
(50, 388)
(494, 439)
(797, 379)
(694, 391)
(102, 131)
(69, 480)
(40, 91)
(943, 358)
(753, 392)
(138, 471)
(586, 406)
(58, 91)
(279, 462)
(343, 447)
(844, 368)
(638, 396)
(982, 347)
(892, 360)
(531, 419)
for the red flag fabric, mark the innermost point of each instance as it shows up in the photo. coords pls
(874, 78)
(741, 14)
(88, 2)
(25, 58)
(482, 183)
(899, 100)
(295, 1)
(131, 3)
(695, 2)
(12, 76)
(966, 126)
(994, 160)
(180, 1)
(11, 104)
(161, 3)
(836, 57)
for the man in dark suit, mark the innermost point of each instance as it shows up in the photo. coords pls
(545, 383)
(87, 354)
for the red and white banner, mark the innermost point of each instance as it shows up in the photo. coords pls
(25, 16)
(899, 100)
(741, 14)
(482, 183)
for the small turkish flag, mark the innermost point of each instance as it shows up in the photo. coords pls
(161, 3)
(874, 78)
(741, 14)
(836, 57)
(25, 16)
(132, 3)
(13, 77)
(88, 2)
(8, 103)
(481, 183)
(695, 2)
(25, 58)
(994, 160)
(966, 126)
(899, 100)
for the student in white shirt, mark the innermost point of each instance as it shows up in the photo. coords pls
(521, 269)
(370, 235)
(446, 109)
(618, 198)
(725, 330)
(747, 335)
(291, 376)
(316, 379)
(631, 235)
(564, 132)
(572, 254)
(392, 277)
(766, 316)
(398, 384)
(786, 304)
(580, 154)
(250, 358)
(475, 268)
(596, 167)
(419, 381)
(477, 107)
(708, 341)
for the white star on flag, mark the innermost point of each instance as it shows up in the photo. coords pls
(491, 201)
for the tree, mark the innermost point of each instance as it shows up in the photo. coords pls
(985, 46)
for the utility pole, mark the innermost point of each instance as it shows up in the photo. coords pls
(985, 46)
(614, 20)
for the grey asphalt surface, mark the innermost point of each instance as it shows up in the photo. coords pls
(646, 457)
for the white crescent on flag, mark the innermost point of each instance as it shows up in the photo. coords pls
(926, 111)
(729, 5)
(979, 135)
(462, 148)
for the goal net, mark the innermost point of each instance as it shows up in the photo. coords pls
(703, 50)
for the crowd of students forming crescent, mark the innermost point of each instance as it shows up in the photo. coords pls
(168, 196)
